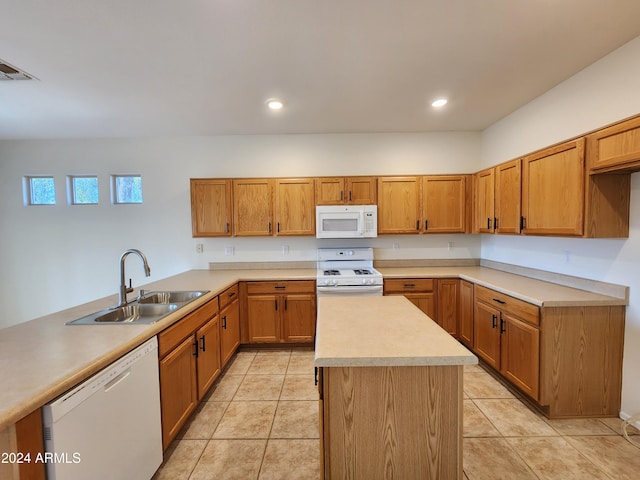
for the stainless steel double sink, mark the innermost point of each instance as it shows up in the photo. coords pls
(146, 309)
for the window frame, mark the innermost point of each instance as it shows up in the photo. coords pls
(28, 191)
(71, 190)
(114, 188)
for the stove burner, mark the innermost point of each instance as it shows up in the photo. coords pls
(362, 272)
(331, 272)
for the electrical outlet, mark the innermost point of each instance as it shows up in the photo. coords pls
(285, 249)
(395, 246)
(449, 245)
(228, 250)
(567, 256)
(199, 248)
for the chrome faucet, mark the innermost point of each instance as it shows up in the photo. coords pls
(122, 293)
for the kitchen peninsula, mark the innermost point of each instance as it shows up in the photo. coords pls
(390, 382)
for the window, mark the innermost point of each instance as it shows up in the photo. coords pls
(39, 191)
(82, 190)
(126, 189)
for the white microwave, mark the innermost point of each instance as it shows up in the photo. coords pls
(346, 221)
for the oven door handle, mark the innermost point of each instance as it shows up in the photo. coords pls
(350, 289)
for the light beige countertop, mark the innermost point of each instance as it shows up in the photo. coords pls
(43, 358)
(381, 332)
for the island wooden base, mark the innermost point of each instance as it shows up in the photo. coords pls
(391, 422)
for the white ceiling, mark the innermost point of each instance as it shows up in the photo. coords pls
(204, 67)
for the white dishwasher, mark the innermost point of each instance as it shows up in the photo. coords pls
(108, 427)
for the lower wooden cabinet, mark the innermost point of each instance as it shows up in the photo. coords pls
(281, 312)
(419, 291)
(229, 324)
(448, 305)
(466, 313)
(189, 353)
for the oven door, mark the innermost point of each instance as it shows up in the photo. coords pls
(355, 290)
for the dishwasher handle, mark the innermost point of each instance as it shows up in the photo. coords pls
(114, 383)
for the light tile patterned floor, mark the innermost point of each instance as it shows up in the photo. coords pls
(260, 421)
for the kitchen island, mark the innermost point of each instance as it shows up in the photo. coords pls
(390, 382)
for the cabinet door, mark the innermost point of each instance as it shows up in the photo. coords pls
(361, 191)
(553, 191)
(615, 148)
(299, 318)
(484, 201)
(444, 200)
(448, 305)
(521, 354)
(486, 331)
(508, 189)
(330, 191)
(210, 207)
(295, 207)
(208, 360)
(229, 331)
(399, 205)
(253, 207)
(424, 301)
(466, 313)
(263, 318)
(178, 388)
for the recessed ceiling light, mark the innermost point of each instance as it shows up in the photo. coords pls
(275, 104)
(441, 102)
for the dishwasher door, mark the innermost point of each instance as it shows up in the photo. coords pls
(108, 427)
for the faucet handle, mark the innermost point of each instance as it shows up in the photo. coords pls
(141, 293)
(129, 289)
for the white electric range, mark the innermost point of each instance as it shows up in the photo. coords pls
(347, 271)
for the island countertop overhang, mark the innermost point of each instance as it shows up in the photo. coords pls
(382, 331)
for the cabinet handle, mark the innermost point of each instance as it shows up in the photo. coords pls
(278, 227)
(502, 322)
(417, 224)
(224, 322)
(409, 285)
(488, 223)
(426, 225)
(501, 302)
(269, 227)
(494, 321)
(280, 287)
(285, 303)
(202, 346)
(341, 195)
(350, 196)
(316, 375)
(276, 301)
(195, 349)
(523, 223)
(226, 228)
(231, 294)
(495, 223)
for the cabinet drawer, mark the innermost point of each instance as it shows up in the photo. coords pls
(171, 337)
(297, 286)
(409, 285)
(523, 310)
(228, 296)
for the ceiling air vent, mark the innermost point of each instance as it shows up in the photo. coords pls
(7, 72)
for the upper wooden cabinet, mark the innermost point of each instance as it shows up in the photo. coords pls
(399, 204)
(444, 204)
(553, 184)
(210, 207)
(253, 206)
(615, 148)
(295, 208)
(508, 185)
(484, 201)
(346, 191)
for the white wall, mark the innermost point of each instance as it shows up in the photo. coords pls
(603, 93)
(55, 257)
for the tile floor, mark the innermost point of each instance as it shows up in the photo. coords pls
(260, 421)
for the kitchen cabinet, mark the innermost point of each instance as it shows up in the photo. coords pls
(229, 323)
(189, 353)
(466, 313)
(615, 148)
(484, 201)
(253, 207)
(295, 211)
(553, 190)
(281, 312)
(211, 207)
(507, 337)
(448, 308)
(444, 204)
(419, 291)
(498, 198)
(399, 205)
(346, 191)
